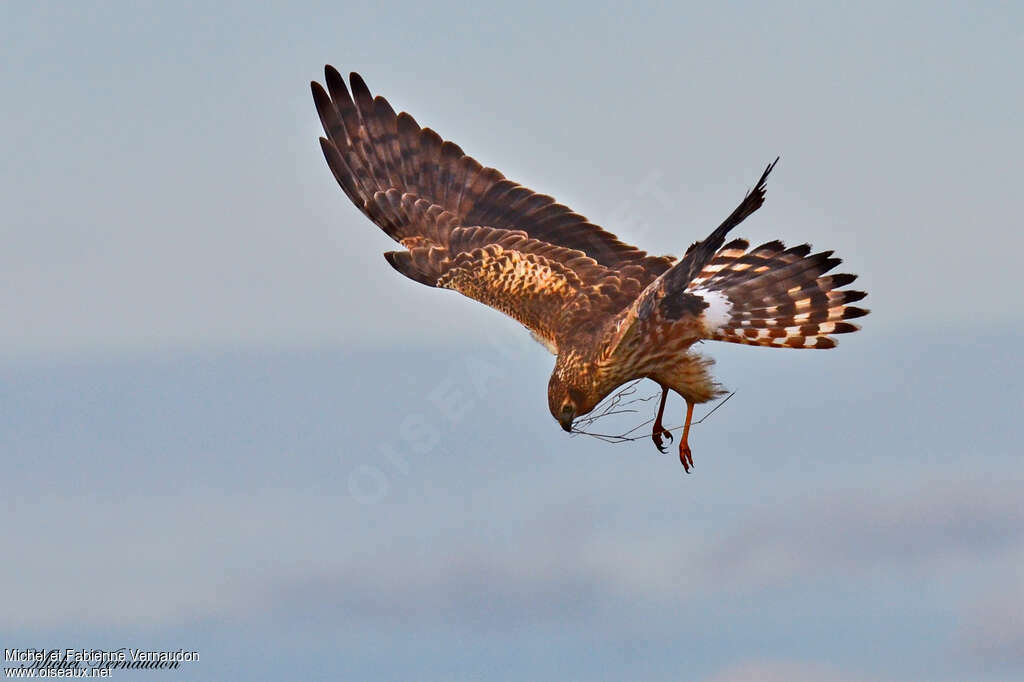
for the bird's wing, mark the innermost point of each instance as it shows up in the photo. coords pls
(374, 152)
(774, 296)
(666, 301)
(552, 290)
(767, 296)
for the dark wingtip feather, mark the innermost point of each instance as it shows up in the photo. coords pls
(760, 186)
(842, 279)
(328, 149)
(331, 153)
(358, 85)
(825, 261)
(755, 197)
(736, 244)
(333, 79)
(852, 312)
(845, 297)
(320, 97)
(844, 328)
(701, 253)
(383, 108)
(798, 251)
(773, 245)
(340, 170)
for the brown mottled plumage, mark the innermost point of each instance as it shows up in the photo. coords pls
(609, 311)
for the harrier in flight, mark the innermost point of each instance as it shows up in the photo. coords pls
(609, 311)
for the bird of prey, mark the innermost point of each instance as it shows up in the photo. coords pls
(610, 312)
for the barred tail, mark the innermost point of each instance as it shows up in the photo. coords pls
(774, 296)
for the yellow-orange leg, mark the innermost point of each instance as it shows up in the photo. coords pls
(685, 456)
(658, 430)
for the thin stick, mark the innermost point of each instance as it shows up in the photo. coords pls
(715, 408)
(626, 437)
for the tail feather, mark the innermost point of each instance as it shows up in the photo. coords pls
(774, 296)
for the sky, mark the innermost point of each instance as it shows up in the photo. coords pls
(226, 425)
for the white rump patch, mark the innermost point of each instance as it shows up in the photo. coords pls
(719, 310)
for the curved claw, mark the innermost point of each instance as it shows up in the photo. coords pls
(685, 457)
(656, 435)
(658, 431)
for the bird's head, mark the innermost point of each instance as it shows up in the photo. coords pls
(566, 401)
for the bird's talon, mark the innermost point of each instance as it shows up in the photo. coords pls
(686, 458)
(658, 430)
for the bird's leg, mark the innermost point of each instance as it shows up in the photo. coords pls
(684, 448)
(658, 428)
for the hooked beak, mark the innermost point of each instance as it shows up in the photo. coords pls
(566, 423)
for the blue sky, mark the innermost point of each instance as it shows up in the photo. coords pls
(226, 424)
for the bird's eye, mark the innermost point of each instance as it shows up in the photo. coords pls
(566, 408)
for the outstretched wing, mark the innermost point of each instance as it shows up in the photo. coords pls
(666, 304)
(552, 290)
(768, 296)
(373, 153)
(774, 296)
